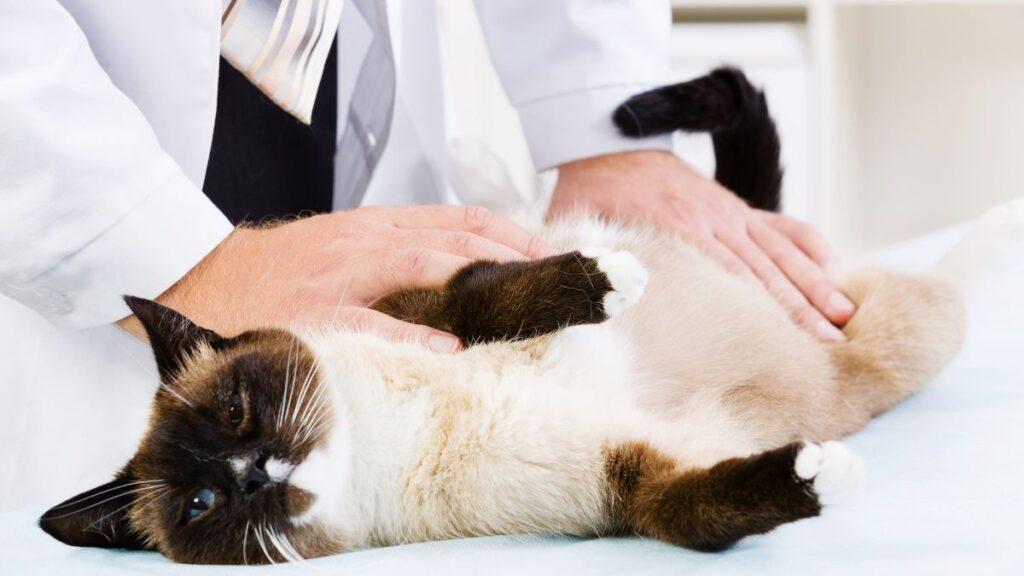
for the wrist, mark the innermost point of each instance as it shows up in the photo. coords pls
(631, 160)
(190, 294)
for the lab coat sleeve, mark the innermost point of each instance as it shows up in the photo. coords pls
(91, 207)
(567, 64)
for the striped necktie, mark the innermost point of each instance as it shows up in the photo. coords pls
(281, 46)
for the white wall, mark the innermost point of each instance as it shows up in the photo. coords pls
(932, 112)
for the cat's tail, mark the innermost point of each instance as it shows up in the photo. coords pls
(734, 112)
(994, 243)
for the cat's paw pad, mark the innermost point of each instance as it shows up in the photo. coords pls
(833, 470)
(625, 273)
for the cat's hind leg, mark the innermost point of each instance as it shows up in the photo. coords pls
(491, 301)
(711, 509)
(905, 330)
(909, 326)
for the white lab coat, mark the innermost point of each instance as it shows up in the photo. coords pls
(107, 112)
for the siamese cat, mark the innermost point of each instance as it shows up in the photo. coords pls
(630, 385)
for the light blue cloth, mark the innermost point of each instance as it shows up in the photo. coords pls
(943, 496)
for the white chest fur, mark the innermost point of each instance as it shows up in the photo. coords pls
(432, 447)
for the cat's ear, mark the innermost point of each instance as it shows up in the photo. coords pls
(99, 517)
(171, 334)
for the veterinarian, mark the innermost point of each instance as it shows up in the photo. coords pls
(131, 145)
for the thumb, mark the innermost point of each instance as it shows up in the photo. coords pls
(366, 320)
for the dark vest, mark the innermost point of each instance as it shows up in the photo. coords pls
(264, 163)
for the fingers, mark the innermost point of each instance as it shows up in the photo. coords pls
(716, 250)
(408, 268)
(464, 244)
(808, 239)
(359, 319)
(474, 219)
(806, 275)
(779, 285)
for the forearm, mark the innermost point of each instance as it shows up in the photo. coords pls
(93, 207)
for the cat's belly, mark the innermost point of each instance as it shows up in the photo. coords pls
(484, 445)
(523, 446)
(707, 346)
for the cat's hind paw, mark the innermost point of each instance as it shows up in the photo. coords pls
(833, 470)
(625, 273)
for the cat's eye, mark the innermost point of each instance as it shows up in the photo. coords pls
(236, 411)
(202, 501)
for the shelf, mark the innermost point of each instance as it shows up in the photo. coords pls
(686, 12)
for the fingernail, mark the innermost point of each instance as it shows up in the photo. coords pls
(829, 332)
(443, 344)
(839, 304)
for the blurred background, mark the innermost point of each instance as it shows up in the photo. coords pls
(897, 117)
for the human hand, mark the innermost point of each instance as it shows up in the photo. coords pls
(792, 260)
(330, 268)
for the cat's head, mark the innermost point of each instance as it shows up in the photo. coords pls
(214, 477)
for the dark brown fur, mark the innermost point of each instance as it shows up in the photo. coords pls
(489, 301)
(708, 509)
(192, 445)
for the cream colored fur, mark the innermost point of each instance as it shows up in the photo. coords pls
(511, 437)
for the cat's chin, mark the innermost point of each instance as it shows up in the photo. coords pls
(318, 480)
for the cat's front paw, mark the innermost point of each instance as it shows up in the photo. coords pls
(625, 273)
(833, 470)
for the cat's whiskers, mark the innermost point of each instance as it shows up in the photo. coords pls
(311, 425)
(295, 553)
(153, 498)
(101, 492)
(144, 490)
(317, 403)
(289, 406)
(145, 500)
(245, 543)
(274, 543)
(283, 547)
(181, 398)
(312, 415)
(337, 307)
(284, 396)
(302, 394)
(258, 531)
(305, 386)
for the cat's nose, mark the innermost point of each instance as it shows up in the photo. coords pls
(254, 479)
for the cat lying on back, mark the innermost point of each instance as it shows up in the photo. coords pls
(628, 386)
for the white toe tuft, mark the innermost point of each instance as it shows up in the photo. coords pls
(835, 470)
(808, 461)
(626, 274)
